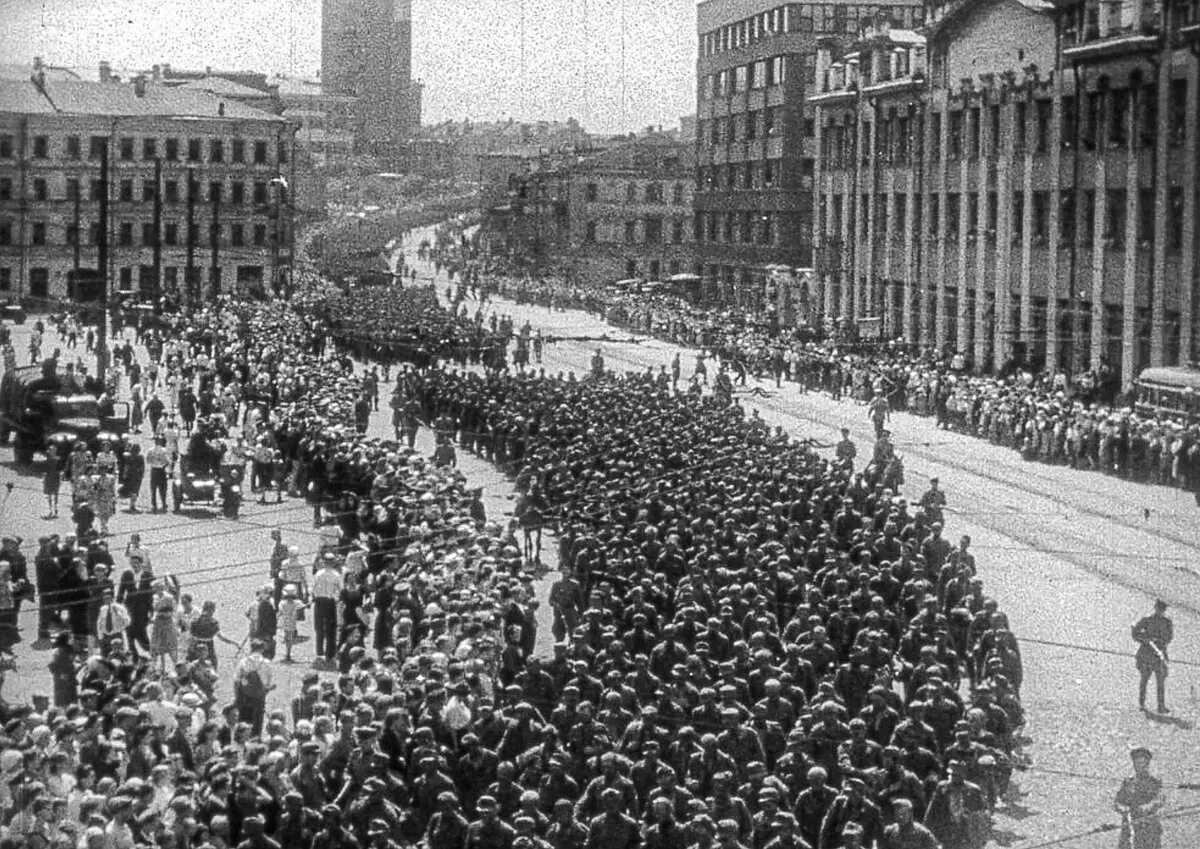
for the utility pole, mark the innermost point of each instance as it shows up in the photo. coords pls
(158, 211)
(189, 283)
(214, 233)
(102, 262)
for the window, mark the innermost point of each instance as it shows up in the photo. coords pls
(1118, 116)
(975, 130)
(1149, 116)
(170, 233)
(39, 188)
(171, 191)
(260, 153)
(94, 234)
(237, 192)
(654, 193)
(260, 194)
(777, 70)
(73, 149)
(631, 268)
(1041, 217)
(95, 190)
(260, 234)
(125, 234)
(193, 150)
(148, 190)
(172, 149)
(216, 150)
(1020, 119)
(6, 188)
(237, 235)
(630, 232)
(72, 234)
(148, 235)
(214, 191)
(39, 282)
(126, 149)
(589, 234)
(281, 152)
(956, 135)
(631, 193)
(1066, 216)
(41, 147)
(37, 233)
(5, 233)
(238, 151)
(677, 232)
(751, 126)
(952, 208)
(591, 192)
(935, 137)
(126, 190)
(1114, 218)
(972, 214)
(677, 193)
(72, 188)
(1175, 218)
(1043, 110)
(5, 279)
(1090, 128)
(1145, 235)
(653, 231)
(126, 283)
(97, 147)
(6, 146)
(1070, 123)
(1177, 110)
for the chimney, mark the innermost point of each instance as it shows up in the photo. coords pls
(139, 85)
(221, 109)
(105, 72)
(156, 73)
(39, 74)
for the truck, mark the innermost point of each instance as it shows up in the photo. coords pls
(38, 405)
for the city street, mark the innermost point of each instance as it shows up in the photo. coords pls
(212, 557)
(1074, 557)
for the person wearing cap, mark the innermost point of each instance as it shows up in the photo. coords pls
(447, 827)
(933, 502)
(1153, 634)
(957, 813)
(565, 831)
(1139, 801)
(489, 831)
(851, 806)
(905, 832)
(379, 835)
(613, 828)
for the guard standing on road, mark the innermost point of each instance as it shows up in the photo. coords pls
(933, 502)
(1153, 634)
(1139, 801)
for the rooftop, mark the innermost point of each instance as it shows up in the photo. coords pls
(121, 100)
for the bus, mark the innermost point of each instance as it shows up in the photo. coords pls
(1169, 391)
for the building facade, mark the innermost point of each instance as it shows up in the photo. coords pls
(197, 190)
(1020, 183)
(366, 63)
(754, 162)
(620, 213)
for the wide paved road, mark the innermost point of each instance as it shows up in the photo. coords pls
(1073, 557)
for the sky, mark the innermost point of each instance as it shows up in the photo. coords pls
(467, 52)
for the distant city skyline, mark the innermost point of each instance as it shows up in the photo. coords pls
(467, 52)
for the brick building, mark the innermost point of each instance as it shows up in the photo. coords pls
(756, 62)
(193, 182)
(1018, 181)
(621, 212)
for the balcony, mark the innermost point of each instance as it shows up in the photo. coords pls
(1115, 42)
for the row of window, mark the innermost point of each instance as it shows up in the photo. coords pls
(259, 193)
(1076, 222)
(1115, 118)
(762, 174)
(745, 227)
(652, 270)
(172, 149)
(763, 73)
(805, 17)
(652, 193)
(174, 233)
(39, 278)
(648, 231)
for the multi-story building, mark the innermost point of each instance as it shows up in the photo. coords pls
(754, 169)
(1019, 183)
(621, 212)
(197, 190)
(366, 62)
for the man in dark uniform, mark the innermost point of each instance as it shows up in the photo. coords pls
(846, 451)
(1139, 801)
(1153, 634)
(933, 502)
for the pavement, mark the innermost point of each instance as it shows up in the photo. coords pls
(1074, 558)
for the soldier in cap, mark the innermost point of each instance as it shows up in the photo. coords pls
(1153, 634)
(1139, 802)
(489, 831)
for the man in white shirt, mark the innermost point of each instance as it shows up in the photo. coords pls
(112, 621)
(158, 460)
(326, 589)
